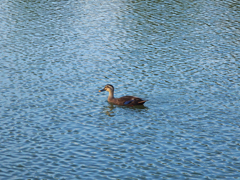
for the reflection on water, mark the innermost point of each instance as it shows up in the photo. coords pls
(183, 57)
(109, 110)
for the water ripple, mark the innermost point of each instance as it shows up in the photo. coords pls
(181, 56)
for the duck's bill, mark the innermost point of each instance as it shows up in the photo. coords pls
(102, 90)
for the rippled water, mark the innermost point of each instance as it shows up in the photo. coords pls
(183, 56)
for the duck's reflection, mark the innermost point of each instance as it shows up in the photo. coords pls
(109, 110)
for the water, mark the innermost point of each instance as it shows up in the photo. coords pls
(182, 56)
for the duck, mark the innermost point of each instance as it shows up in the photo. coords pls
(122, 101)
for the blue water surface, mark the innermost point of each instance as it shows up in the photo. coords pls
(181, 56)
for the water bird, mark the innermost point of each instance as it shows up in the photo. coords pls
(123, 101)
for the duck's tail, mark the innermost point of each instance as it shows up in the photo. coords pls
(142, 102)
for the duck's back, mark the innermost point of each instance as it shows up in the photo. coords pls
(128, 100)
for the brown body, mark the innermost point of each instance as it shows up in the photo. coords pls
(124, 101)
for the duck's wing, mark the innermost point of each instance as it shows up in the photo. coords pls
(125, 100)
(128, 102)
(131, 100)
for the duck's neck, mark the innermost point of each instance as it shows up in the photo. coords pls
(111, 96)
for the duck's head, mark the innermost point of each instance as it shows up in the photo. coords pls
(108, 88)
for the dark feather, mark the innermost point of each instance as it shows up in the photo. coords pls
(128, 100)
